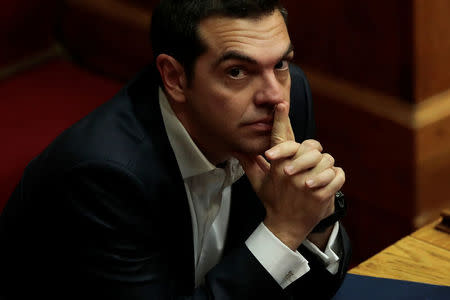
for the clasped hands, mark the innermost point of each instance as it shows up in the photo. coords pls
(296, 183)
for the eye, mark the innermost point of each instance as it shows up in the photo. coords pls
(236, 73)
(282, 65)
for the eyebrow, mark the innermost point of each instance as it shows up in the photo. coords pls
(240, 56)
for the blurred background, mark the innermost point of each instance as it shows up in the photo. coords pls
(379, 73)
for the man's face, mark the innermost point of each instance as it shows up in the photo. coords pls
(236, 84)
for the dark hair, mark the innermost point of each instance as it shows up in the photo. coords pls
(174, 26)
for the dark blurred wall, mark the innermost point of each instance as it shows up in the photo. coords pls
(25, 28)
(380, 78)
(113, 36)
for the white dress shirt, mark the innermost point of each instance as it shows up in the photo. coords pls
(208, 190)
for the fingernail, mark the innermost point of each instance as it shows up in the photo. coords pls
(289, 170)
(271, 153)
(310, 182)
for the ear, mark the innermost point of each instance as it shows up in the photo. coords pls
(173, 76)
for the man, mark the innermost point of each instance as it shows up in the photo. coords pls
(145, 198)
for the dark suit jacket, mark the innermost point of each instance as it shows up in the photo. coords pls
(102, 212)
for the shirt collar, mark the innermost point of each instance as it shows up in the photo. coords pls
(190, 159)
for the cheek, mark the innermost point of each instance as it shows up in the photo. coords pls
(225, 113)
(228, 105)
(221, 104)
(238, 109)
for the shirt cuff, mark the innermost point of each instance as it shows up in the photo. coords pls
(329, 256)
(283, 264)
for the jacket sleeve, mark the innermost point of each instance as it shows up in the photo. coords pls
(100, 239)
(319, 283)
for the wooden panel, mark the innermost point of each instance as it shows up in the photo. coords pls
(434, 109)
(372, 228)
(409, 259)
(109, 36)
(432, 170)
(432, 236)
(26, 28)
(366, 42)
(370, 100)
(433, 140)
(31, 61)
(387, 147)
(379, 73)
(432, 44)
(377, 154)
(433, 189)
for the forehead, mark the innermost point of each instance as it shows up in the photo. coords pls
(260, 38)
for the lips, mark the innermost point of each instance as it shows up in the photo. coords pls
(264, 124)
(267, 120)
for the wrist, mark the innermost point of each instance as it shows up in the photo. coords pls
(320, 239)
(287, 234)
(340, 209)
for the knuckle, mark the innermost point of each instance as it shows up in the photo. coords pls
(328, 158)
(342, 180)
(314, 157)
(316, 154)
(299, 163)
(294, 144)
(330, 173)
(324, 176)
(276, 139)
(340, 173)
(312, 144)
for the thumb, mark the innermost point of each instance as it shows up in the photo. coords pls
(281, 130)
(256, 168)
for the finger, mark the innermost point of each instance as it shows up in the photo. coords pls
(254, 168)
(335, 185)
(308, 145)
(263, 164)
(322, 179)
(283, 150)
(303, 162)
(326, 162)
(281, 130)
(312, 144)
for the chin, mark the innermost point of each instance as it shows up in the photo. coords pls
(256, 146)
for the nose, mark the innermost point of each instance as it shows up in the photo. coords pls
(271, 90)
